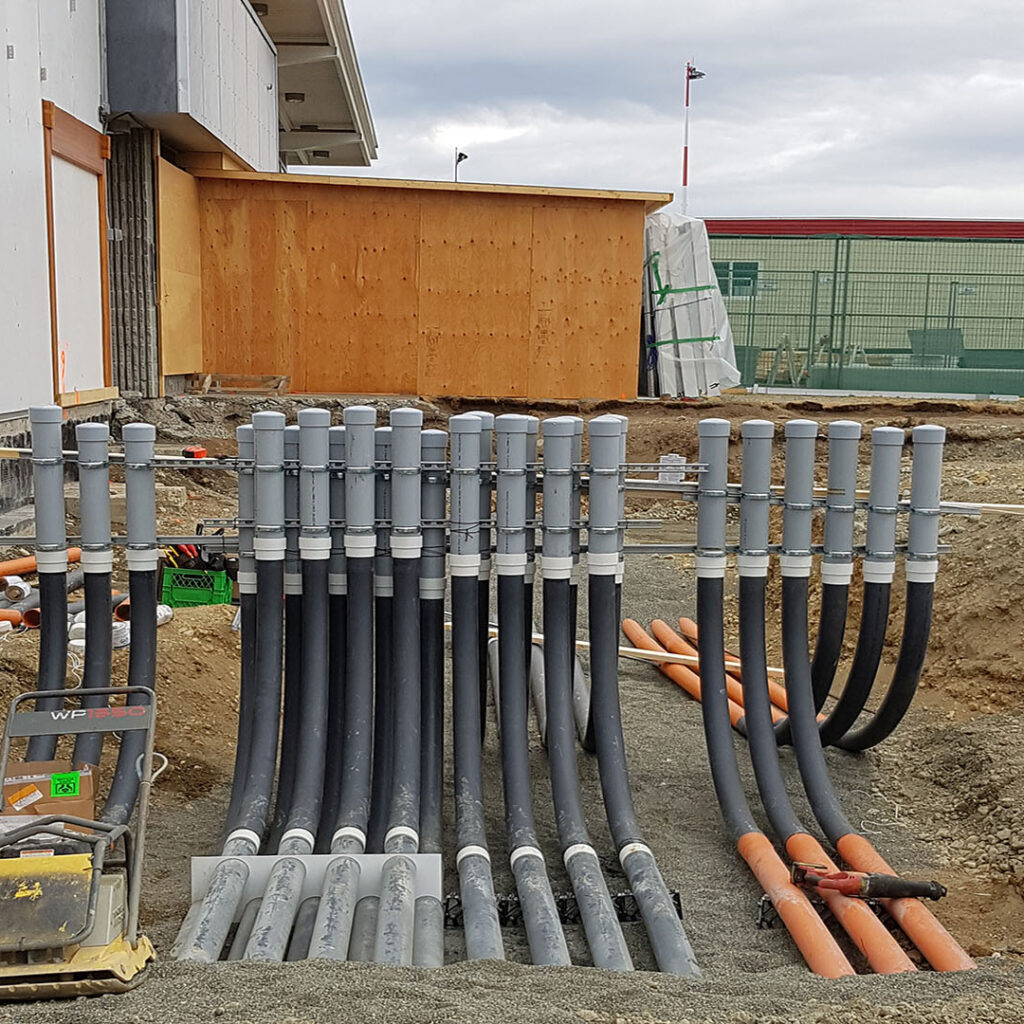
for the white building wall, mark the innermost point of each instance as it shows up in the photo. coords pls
(69, 56)
(24, 266)
(50, 50)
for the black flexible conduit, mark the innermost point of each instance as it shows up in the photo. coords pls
(432, 726)
(867, 656)
(715, 709)
(335, 756)
(246, 700)
(597, 912)
(764, 753)
(547, 943)
(98, 649)
(907, 674)
(802, 713)
(354, 803)
(53, 654)
(308, 782)
(254, 806)
(291, 740)
(124, 786)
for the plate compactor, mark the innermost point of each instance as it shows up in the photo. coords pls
(69, 886)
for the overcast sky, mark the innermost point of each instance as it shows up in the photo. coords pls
(809, 107)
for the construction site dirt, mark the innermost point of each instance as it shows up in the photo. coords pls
(942, 798)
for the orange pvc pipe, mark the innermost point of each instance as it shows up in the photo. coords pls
(775, 691)
(859, 921)
(815, 942)
(672, 642)
(919, 924)
(123, 611)
(11, 615)
(679, 674)
(16, 566)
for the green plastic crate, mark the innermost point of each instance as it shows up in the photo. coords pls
(188, 588)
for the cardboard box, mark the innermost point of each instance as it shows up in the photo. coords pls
(37, 788)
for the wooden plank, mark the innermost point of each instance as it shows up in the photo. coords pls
(474, 295)
(70, 398)
(362, 308)
(227, 286)
(179, 270)
(585, 291)
(651, 200)
(75, 141)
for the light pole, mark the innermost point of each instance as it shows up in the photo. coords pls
(459, 157)
(692, 74)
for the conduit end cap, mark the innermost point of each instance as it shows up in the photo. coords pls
(359, 415)
(336, 437)
(511, 423)
(714, 427)
(532, 424)
(243, 434)
(45, 414)
(147, 432)
(406, 417)
(888, 436)
(559, 426)
(466, 423)
(844, 430)
(605, 426)
(486, 418)
(929, 433)
(291, 441)
(314, 418)
(266, 420)
(802, 428)
(757, 429)
(434, 440)
(92, 432)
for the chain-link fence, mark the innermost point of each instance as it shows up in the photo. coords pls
(875, 314)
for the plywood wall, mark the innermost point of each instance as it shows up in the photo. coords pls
(179, 271)
(415, 291)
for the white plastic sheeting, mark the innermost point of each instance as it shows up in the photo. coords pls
(687, 338)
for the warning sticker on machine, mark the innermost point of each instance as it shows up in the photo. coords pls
(65, 784)
(24, 797)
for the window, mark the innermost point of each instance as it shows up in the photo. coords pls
(736, 279)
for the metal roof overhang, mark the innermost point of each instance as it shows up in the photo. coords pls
(324, 114)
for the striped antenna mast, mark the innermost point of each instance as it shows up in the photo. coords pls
(692, 74)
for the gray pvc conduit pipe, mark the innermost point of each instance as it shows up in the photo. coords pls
(333, 928)
(211, 924)
(532, 434)
(540, 916)
(293, 615)
(922, 567)
(428, 946)
(597, 912)
(97, 564)
(383, 613)
(484, 575)
(472, 859)
(51, 561)
(668, 939)
(580, 683)
(879, 566)
(283, 892)
(247, 608)
(396, 915)
(143, 557)
(337, 586)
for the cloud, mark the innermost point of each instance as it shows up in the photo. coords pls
(877, 108)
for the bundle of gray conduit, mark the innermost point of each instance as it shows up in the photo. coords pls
(367, 514)
(92, 459)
